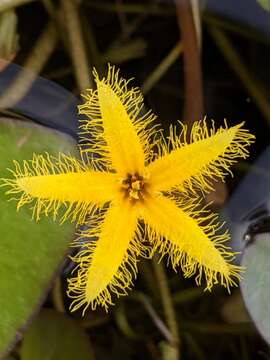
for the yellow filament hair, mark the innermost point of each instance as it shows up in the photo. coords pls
(108, 264)
(209, 155)
(50, 183)
(196, 247)
(116, 132)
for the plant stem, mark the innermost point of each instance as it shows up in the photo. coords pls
(91, 44)
(167, 303)
(122, 322)
(148, 277)
(50, 8)
(196, 14)
(194, 347)
(134, 8)
(76, 44)
(187, 295)
(169, 10)
(10, 4)
(162, 67)
(35, 62)
(234, 28)
(192, 63)
(232, 57)
(143, 299)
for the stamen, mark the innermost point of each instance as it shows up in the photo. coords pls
(134, 186)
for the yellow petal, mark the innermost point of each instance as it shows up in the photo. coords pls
(116, 130)
(106, 264)
(210, 155)
(196, 248)
(50, 184)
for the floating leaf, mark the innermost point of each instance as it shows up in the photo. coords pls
(256, 283)
(30, 253)
(54, 336)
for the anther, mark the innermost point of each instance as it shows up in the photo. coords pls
(133, 186)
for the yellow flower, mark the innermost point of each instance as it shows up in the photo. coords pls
(136, 191)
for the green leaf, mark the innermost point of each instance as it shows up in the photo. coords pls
(54, 336)
(30, 252)
(255, 285)
(265, 4)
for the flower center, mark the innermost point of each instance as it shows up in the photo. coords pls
(133, 186)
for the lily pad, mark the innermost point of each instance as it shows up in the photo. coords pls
(255, 286)
(30, 252)
(54, 336)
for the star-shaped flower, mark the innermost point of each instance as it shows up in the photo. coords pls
(133, 188)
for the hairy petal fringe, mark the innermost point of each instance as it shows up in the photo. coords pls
(192, 240)
(51, 183)
(114, 127)
(209, 156)
(107, 265)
